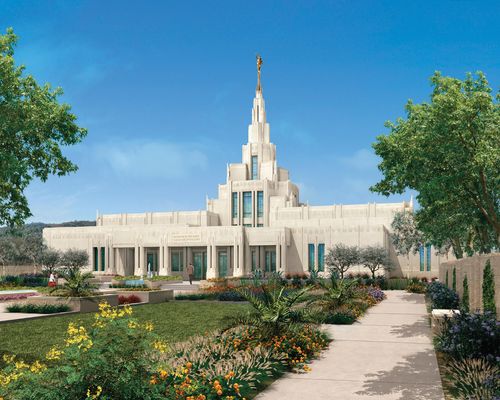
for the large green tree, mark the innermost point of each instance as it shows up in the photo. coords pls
(33, 128)
(448, 150)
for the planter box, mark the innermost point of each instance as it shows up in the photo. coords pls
(81, 304)
(158, 283)
(438, 318)
(152, 297)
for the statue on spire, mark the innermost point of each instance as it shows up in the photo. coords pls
(259, 65)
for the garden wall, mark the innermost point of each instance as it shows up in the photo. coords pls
(18, 269)
(473, 267)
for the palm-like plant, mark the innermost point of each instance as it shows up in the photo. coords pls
(77, 283)
(274, 311)
(338, 295)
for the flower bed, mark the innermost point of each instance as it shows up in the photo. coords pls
(149, 296)
(16, 296)
(136, 364)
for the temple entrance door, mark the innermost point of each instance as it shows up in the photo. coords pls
(222, 264)
(200, 264)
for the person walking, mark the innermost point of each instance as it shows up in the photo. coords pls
(190, 271)
(52, 280)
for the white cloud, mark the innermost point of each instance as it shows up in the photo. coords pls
(152, 159)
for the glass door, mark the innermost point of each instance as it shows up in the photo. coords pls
(200, 264)
(222, 264)
(270, 261)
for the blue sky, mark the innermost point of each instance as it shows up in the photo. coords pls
(165, 90)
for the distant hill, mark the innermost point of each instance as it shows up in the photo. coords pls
(35, 227)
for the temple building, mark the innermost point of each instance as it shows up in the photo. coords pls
(256, 222)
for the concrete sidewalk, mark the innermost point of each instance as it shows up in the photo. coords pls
(387, 355)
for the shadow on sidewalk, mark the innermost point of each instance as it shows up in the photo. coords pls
(420, 327)
(416, 378)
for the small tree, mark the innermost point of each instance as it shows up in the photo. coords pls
(489, 289)
(49, 260)
(446, 281)
(454, 279)
(74, 260)
(375, 258)
(465, 296)
(341, 257)
(405, 236)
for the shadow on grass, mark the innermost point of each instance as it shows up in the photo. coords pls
(415, 378)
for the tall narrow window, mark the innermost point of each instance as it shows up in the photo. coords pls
(234, 206)
(429, 254)
(422, 258)
(176, 260)
(247, 204)
(254, 260)
(260, 204)
(255, 168)
(96, 258)
(311, 257)
(103, 259)
(321, 257)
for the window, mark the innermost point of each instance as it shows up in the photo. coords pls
(260, 204)
(311, 257)
(235, 205)
(271, 261)
(177, 260)
(103, 259)
(422, 260)
(247, 225)
(429, 254)
(260, 225)
(96, 259)
(247, 204)
(254, 260)
(255, 168)
(321, 257)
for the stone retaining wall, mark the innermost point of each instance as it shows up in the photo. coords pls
(473, 267)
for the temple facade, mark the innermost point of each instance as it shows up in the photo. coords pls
(257, 222)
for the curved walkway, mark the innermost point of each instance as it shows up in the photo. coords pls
(387, 355)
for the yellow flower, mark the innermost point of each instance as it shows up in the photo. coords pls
(8, 359)
(54, 354)
(160, 346)
(95, 395)
(149, 326)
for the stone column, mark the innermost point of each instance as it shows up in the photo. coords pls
(142, 268)
(106, 258)
(136, 260)
(112, 253)
(166, 260)
(241, 259)
(215, 261)
(284, 265)
(99, 259)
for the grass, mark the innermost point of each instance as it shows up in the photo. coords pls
(173, 321)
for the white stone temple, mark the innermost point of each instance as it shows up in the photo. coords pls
(256, 222)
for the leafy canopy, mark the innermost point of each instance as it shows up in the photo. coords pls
(448, 150)
(342, 257)
(33, 128)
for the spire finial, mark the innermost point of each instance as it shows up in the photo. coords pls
(259, 65)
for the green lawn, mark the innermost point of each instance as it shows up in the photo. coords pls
(174, 321)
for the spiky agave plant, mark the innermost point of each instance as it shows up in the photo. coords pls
(473, 379)
(274, 311)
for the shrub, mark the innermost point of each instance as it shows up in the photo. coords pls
(165, 278)
(377, 294)
(454, 279)
(395, 284)
(469, 335)
(230, 295)
(416, 287)
(473, 379)
(465, 297)
(127, 278)
(441, 296)
(196, 296)
(489, 289)
(30, 280)
(339, 318)
(38, 308)
(130, 299)
(128, 287)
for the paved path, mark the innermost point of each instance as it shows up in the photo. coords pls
(387, 355)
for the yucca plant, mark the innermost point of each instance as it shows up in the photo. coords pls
(473, 379)
(275, 310)
(77, 283)
(339, 294)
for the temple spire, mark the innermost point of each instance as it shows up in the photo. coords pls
(259, 65)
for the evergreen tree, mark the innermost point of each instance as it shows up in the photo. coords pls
(489, 289)
(465, 296)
